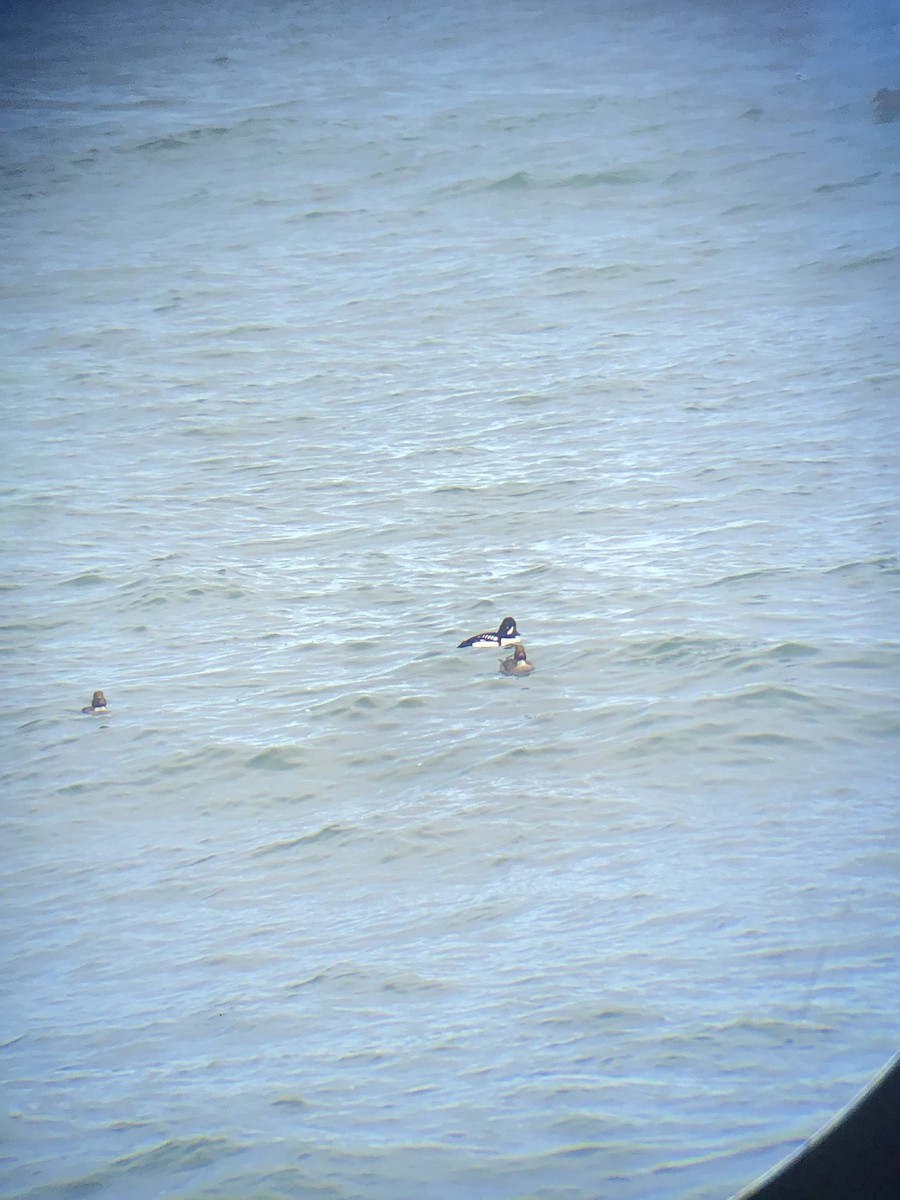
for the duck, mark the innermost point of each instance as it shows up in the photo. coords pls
(517, 663)
(97, 706)
(887, 104)
(506, 635)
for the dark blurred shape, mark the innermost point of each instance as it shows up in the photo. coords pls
(856, 1157)
(887, 104)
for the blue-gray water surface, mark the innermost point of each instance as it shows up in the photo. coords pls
(333, 334)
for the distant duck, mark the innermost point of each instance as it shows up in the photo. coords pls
(97, 706)
(518, 664)
(887, 104)
(506, 635)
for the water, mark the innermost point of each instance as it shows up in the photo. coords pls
(333, 334)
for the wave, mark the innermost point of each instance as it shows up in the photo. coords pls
(325, 833)
(860, 181)
(621, 178)
(511, 183)
(276, 758)
(178, 141)
(131, 1171)
(862, 262)
(520, 181)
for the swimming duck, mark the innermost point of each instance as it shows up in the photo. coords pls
(517, 664)
(506, 635)
(97, 706)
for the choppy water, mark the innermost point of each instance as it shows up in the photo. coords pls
(333, 334)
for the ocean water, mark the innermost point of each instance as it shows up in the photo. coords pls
(333, 333)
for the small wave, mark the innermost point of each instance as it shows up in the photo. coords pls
(173, 1155)
(298, 985)
(786, 652)
(860, 181)
(326, 834)
(878, 258)
(86, 579)
(411, 984)
(275, 758)
(771, 696)
(620, 178)
(181, 140)
(523, 181)
(191, 760)
(771, 738)
(878, 724)
(511, 183)
(163, 143)
(888, 563)
(677, 648)
(295, 1102)
(770, 1029)
(875, 658)
(342, 976)
(322, 214)
(749, 576)
(739, 210)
